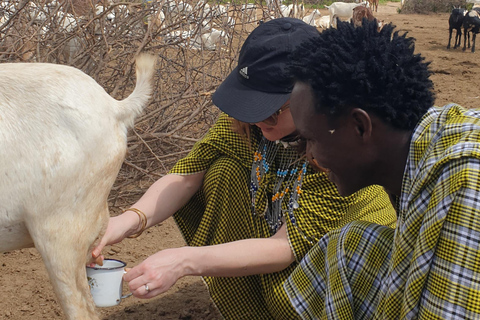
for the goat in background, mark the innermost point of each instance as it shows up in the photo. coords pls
(471, 23)
(360, 13)
(63, 141)
(344, 10)
(373, 4)
(455, 21)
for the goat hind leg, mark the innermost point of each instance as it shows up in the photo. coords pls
(474, 35)
(465, 36)
(450, 39)
(458, 39)
(65, 253)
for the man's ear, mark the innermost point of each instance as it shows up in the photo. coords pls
(362, 122)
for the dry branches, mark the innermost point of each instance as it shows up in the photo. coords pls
(197, 45)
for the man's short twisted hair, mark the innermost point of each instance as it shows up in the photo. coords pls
(366, 68)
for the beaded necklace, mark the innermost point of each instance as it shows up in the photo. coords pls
(288, 181)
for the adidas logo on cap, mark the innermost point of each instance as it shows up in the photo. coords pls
(244, 72)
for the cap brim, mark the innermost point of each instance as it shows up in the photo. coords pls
(245, 104)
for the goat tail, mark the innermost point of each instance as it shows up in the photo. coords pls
(134, 104)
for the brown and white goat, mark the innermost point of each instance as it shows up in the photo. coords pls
(63, 140)
(343, 10)
(360, 13)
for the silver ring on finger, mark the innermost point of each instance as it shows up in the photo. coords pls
(147, 289)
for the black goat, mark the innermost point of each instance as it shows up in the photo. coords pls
(456, 22)
(471, 23)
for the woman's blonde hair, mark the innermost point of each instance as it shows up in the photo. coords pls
(243, 129)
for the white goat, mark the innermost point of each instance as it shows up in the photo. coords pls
(212, 40)
(206, 38)
(284, 10)
(63, 140)
(292, 10)
(248, 12)
(179, 8)
(323, 22)
(342, 10)
(312, 18)
(296, 10)
(272, 4)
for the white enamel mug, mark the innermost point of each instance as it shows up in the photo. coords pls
(106, 282)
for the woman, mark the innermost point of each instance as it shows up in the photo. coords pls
(246, 224)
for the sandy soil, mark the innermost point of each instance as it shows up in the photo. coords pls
(26, 292)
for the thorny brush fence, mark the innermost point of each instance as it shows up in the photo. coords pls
(428, 6)
(197, 45)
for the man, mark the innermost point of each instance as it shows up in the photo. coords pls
(362, 100)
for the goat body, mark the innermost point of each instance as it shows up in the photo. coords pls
(208, 39)
(63, 140)
(359, 13)
(248, 12)
(323, 22)
(342, 10)
(455, 21)
(296, 10)
(292, 10)
(312, 18)
(471, 23)
(272, 5)
(373, 4)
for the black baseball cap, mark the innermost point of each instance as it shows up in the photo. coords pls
(260, 85)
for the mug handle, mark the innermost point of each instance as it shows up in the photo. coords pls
(128, 294)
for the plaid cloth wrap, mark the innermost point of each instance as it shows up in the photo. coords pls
(221, 212)
(429, 266)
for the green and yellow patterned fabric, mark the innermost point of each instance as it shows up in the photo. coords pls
(426, 268)
(221, 212)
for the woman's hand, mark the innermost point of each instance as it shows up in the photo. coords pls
(162, 270)
(117, 230)
(168, 193)
(159, 272)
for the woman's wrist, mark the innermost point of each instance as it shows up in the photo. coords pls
(142, 222)
(189, 261)
(133, 221)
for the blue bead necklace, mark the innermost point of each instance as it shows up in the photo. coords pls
(288, 181)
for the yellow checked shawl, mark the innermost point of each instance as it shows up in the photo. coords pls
(221, 212)
(429, 267)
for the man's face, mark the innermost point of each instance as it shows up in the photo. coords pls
(333, 144)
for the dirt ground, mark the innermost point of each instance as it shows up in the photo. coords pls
(26, 292)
